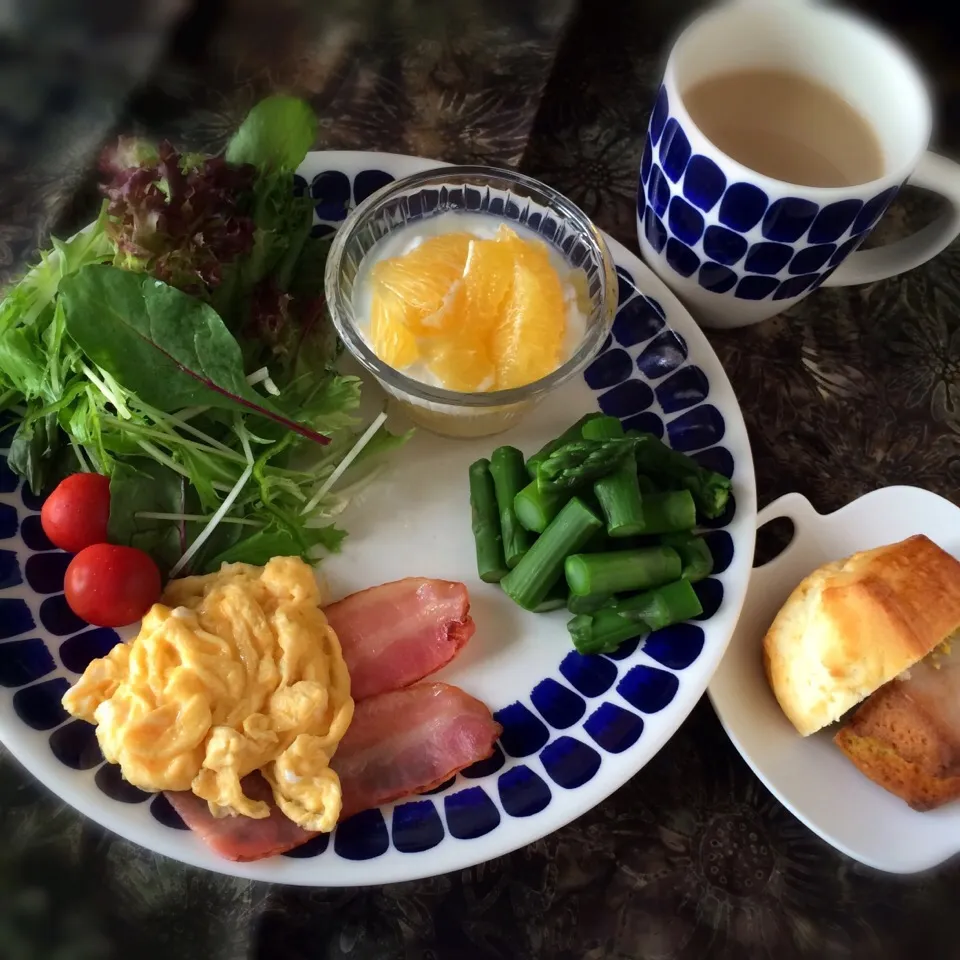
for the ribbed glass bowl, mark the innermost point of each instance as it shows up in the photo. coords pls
(504, 196)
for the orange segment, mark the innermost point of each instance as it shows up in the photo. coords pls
(423, 277)
(458, 357)
(526, 343)
(460, 363)
(532, 251)
(481, 314)
(487, 278)
(391, 339)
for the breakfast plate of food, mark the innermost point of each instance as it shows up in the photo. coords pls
(362, 517)
(839, 687)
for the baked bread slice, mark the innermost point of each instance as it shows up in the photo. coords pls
(855, 624)
(906, 736)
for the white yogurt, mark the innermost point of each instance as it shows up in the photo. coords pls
(484, 227)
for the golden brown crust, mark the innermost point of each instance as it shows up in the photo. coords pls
(885, 767)
(855, 624)
(892, 718)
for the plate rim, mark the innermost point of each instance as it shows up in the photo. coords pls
(377, 871)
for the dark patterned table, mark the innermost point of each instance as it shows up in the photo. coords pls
(853, 390)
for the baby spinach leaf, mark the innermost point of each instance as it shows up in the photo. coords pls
(170, 349)
(33, 448)
(143, 486)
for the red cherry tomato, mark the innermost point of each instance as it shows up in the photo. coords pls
(111, 586)
(75, 515)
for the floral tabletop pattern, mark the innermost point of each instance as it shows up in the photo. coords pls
(852, 390)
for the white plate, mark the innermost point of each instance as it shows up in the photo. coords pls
(572, 737)
(809, 775)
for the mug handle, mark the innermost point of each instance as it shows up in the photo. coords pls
(934, 173)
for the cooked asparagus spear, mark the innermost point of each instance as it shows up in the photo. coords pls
(535, 508)
(711, 490)
(669, 512)
(486, 523)
(509, 478)
(695, 554)
(529, 582)
(620, 572)
(568, 435)
(605, 630)
(581, 462)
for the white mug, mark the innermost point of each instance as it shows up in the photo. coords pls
(738, 246)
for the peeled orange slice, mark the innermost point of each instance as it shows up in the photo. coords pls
(391, 338)
(481, 314)
(487, 279)
(422, 278)
(527, 341)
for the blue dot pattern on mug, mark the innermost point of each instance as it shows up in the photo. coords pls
(732, 236)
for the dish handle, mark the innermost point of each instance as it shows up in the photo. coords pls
(793, 507)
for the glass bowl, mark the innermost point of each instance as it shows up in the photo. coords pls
(503, 196)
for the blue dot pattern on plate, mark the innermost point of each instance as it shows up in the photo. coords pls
(45, 571)
(675, 647)
(10, 575)
(109, 780)
(485, 768)
(312, 848)
(557, 704)
(39, 706)
(31, 500)
(24, 661)
(721, 548)
(648, 689)
(416, 826)
(710, 593)
(15, 617)
(8, 520)
(522, 792)
(703, 224)
(77, 651)
(626, 399)
(557, 738)
(613, 728)
(592, 676)
(32, 533)
(470, 813)
(362, 837)
(569, 762)
(162, 811)
(523, 734)
(75, 745)
(625, 650)
(441, 788)
(58, 618)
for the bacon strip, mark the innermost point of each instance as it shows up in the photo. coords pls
(399, 743)
(398, 633)
(240, 838)
(409, 741)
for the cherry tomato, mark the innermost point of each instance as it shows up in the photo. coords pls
(75, 515)
(111, 586)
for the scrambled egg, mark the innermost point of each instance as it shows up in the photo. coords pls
(230, 673)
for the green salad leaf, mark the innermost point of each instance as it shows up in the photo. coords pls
(181, 346)
(275, 136)
(278, 541)
(170, 349)
(138, 486)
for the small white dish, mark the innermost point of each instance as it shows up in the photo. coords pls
(809, 775)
